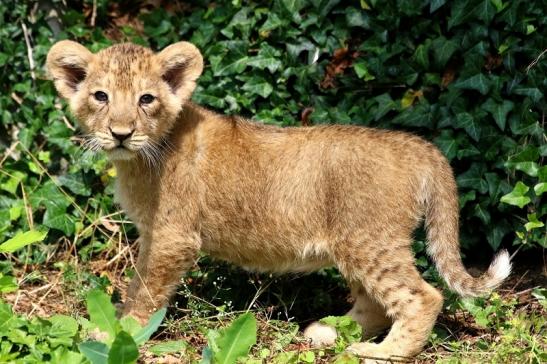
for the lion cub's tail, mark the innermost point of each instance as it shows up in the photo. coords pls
(441, 221)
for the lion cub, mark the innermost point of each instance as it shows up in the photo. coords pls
(268, 198)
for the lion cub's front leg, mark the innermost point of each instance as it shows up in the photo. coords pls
(164, 256)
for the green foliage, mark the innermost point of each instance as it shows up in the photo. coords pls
(22, 239)
(61, 338)
(8, 283)
(234, 342)
(468, 75)
(519, 336)
(463, 75)
(122, 336)
(348, 331)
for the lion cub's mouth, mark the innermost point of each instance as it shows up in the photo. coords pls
(120, 152)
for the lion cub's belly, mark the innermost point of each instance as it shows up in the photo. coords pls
(270, 256)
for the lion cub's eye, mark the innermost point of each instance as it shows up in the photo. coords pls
(146, 99)
(101, 96)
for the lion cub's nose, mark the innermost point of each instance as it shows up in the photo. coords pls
(121, 133)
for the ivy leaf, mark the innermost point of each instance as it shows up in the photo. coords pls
(467, 122)
(57, 218)
(363, 72)
(472, 178)
(421, 56)
(482, 213)
(540, 188)
(517, 197)
(267, 57)
(530, 168)
(258, 86)
(485, 11)
(532, 92)
(443, 49)
(447, 143)
(75, 183)
(496, 231)
(230, 67)
(499, 111)
(435, 4)
(533, 223)
(478, 82)
(459, 13)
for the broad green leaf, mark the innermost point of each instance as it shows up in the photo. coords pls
(236, 340)
(533, 222)
(207, 356)
(155, 321)
(57, 218)
(532, 92)
(124, 350)
(530, 168)
(15, 178)
(346, 358)
(232, 67)
(357, 18)
(460, 12)
(95, 351)
(102, 312)
(478, 82)
(485, 11)
(540, 188)
(63, 326)
(258, 86)
(499, 111)
(443, 49)
(421, 56)
(362, 71)
(467, 122)
(7, 318)
(496, 231)
(517, 197)
(473, 178)
(175, 346)
(482, 213)
(130, 325)
(8, 284)
(542, 173)
(75, 183)
(447, 143)
(22, 239)
(435, 4)
(466, 197)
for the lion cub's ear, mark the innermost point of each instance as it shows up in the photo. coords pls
(181, 65)
(67, 62)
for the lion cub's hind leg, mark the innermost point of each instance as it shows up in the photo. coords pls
(391, 279)
(368, 312)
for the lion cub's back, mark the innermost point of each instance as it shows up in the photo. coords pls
(268, 183)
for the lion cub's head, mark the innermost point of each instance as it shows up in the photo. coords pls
(125, 97)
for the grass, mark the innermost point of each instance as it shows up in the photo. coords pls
(509, 327)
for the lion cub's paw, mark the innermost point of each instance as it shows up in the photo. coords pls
(320, 335)
(372, 354)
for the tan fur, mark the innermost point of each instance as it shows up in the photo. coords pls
(267, 198)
